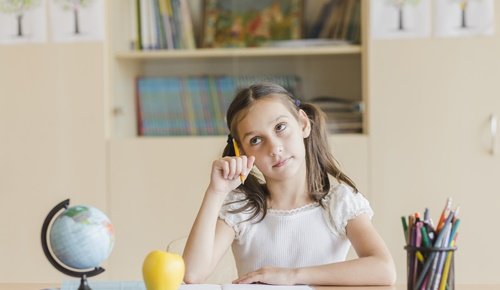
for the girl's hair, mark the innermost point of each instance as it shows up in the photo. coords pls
(320, 162)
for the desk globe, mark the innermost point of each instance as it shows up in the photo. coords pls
(79, 240)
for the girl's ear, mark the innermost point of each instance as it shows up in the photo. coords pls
(305, 123)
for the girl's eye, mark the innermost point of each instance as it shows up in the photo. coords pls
(255, 141)
(280, 127)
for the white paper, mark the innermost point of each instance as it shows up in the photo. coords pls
(242, 287)
(30, 27)
(76, 20)
(454, 19)
(263, 287)
(400, 18)
(139, 285)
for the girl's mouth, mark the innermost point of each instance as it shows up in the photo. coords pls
(281, 163)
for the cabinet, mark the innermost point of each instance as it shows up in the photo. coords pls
(156, 184)
(431, 100)
(52, 146)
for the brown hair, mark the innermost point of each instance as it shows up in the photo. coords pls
(320, 162)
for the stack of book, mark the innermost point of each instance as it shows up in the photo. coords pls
(343, 115)
(161, 24)
(338, 19)
(193, 105)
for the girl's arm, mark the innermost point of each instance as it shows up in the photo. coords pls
(208, 240)
(210, 237)
(374, 266)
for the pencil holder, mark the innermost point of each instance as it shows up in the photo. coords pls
(430, 268)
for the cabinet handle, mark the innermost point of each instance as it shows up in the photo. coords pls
(118, 111)
(493, 128)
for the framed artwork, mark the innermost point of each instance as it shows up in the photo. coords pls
(236, 23)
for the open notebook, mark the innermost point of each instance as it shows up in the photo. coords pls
(139, 285)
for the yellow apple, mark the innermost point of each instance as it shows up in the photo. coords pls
(163, 271)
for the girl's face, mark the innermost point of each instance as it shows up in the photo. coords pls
(271, 133)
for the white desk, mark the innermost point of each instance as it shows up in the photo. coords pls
(38, 286)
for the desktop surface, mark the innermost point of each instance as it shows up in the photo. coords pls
(41, 286)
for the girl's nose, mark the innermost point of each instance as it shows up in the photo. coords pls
(276, 149)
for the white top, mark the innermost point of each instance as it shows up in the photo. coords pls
(307, 236)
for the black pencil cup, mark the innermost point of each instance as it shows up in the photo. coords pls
(430, 268)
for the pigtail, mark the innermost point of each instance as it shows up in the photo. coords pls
(319, 159)
(229, 149)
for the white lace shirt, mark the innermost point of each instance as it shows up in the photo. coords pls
(307, 236)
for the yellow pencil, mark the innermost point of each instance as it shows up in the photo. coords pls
(446, 270)
(237, 154)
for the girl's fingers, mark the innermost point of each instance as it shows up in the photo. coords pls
(225, 168)
(233, 167)
(250, 161)
(239, 167)
(248, 278)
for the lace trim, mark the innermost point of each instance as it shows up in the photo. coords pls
(294, 210)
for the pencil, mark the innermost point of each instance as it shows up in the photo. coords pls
(442, 218)
(444, 278)
(237, 154)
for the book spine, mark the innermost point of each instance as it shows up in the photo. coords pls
(160, 29)
(155, 34)
(165, 21)
(187, 25)
(139, 108)
(177, 20)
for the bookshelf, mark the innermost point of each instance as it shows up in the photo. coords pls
(324, 70)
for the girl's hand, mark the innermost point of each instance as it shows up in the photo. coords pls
(226, 172)
(269, 275)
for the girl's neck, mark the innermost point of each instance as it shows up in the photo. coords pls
(288, 195)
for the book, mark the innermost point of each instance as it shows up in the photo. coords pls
(310, 42)
(342, 115)
(320, 21)
(166, 14)
(139, 285)
(336, 104)
(193, 105)
(187, 25)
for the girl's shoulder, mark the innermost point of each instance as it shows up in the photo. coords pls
(342, 204)
(232, 214)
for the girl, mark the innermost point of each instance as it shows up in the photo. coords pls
(288, 222)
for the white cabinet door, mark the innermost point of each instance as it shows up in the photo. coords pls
(52, 146)
(430, 139)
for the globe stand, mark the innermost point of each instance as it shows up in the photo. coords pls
(84, 284)
(82, 275)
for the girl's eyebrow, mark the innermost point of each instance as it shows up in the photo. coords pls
(273, 121)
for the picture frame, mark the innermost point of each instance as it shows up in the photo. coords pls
(236, 23)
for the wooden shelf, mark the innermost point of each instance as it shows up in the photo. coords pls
(240, 52)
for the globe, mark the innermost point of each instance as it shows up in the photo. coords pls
(82, 237)
(79, 240)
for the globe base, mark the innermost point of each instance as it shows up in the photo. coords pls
(84, 284)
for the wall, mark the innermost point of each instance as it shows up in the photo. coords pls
(52, 146)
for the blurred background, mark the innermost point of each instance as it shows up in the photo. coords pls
(120, 105)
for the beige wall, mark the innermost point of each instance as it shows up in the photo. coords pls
(52, 146)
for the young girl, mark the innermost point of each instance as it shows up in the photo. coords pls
(293, 220)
